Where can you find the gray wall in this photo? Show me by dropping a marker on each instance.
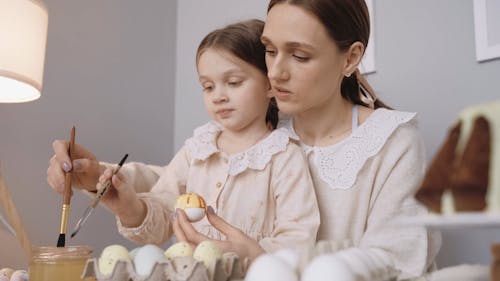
(110, 72)
(425, 61)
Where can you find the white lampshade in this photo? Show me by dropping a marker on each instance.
(23, 36)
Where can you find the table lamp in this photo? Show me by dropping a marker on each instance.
(23, 36)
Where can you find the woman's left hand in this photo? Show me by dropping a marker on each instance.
(236, 241)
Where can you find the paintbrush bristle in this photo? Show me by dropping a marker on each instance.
(61, 241)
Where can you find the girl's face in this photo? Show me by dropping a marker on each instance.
(236, 93)
(305, 67)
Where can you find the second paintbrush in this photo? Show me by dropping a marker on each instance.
(95, 201)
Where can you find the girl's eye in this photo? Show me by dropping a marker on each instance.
(234, 83)
(207, 88)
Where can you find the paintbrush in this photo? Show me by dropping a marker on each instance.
(95, 201)
(61, 241)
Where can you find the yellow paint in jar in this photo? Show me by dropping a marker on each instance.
(63, 263)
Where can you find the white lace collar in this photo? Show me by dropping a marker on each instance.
(203, 144)
(339, 164)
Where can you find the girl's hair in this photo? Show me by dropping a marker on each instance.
(347, 22)
(242, 39)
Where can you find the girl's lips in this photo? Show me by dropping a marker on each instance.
(224, 113)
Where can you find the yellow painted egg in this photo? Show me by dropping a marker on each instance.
(109, 256)
(208, 253)
(193, 205)
(179, 249)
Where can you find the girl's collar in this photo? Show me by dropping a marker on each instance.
(203, 144)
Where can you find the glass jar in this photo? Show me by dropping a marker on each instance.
(59, 263)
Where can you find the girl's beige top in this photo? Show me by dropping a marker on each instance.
(266, 191)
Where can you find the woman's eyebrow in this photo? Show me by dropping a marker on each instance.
(291, 45)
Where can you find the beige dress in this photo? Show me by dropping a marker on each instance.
(365, 184)
(265, 191)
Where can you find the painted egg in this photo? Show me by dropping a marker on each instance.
(19, 275)
(193, 205)
(179, 249)
(109, 256)
(208, 253)
(146, 257)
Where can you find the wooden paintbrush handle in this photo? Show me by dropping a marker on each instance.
(67, 179)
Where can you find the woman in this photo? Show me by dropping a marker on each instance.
(366, 161)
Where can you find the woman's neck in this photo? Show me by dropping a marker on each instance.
(231, 142)
(325, 125)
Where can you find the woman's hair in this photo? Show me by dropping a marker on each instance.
(347, 22)
(242, 39)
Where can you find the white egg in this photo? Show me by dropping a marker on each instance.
(194, 214)
(327, 267)
(19, 275)
(6, 272)
(133, 252)
(291, 257)
(145, 259)
(109, 256)
(270, 268)
(179, 249)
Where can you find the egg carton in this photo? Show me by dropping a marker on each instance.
(229, 268)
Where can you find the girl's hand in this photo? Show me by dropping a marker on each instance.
(86, 168)
(122, 199)
(236, 241)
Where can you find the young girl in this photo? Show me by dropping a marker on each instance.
(250, 175)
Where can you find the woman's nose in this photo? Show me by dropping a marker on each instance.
(277, 70)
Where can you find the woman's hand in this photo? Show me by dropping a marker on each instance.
(236, 241)
(86, 168)
(122, 199)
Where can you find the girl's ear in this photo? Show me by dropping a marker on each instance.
(353, 58)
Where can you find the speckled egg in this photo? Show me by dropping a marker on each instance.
(208, 253)
(109, 256)
(193, 205)
(179, 249)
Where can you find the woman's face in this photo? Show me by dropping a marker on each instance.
(305, 66)
(236, 93)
